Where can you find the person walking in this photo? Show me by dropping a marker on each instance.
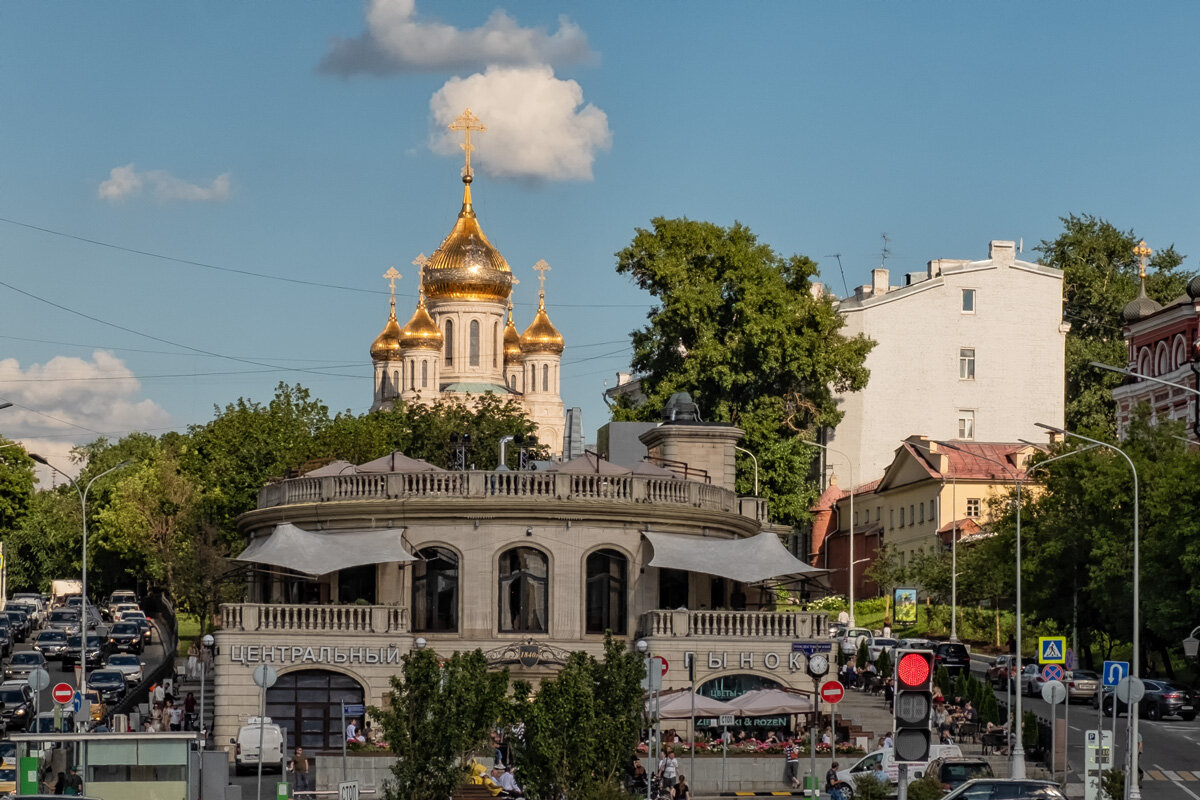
(668, 769)
(300, 768)
(682, 790)
(193, 661)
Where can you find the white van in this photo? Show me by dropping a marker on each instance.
(246, 756)
(886, 757)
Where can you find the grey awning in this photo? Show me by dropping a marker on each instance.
(321, 553)
(756, 558)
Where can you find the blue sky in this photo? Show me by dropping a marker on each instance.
(302, 141)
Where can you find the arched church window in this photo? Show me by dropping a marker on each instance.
(397, 376)
(412, 375)
(496, 344)
(424, 374)
(524, 595)
(545, 377)
(607, 583)
(448, 359)
(474, 344)
(532, 377)
(435, 590)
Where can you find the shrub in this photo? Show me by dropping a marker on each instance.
(925, 788)
(868, 787)
(1112, 783)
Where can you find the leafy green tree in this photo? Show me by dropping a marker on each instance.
(16, 484)
(581, 728)
(931, 571)
(45, 544)
(441, 712)
(1099, 277)
(738, 327)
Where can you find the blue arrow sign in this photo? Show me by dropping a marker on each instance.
(808, 648)
(77, 702)
(1115, 672)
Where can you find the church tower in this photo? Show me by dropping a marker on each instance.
(385, 355)
(421, 348)
(542, 347)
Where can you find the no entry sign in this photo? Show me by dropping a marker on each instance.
(832, 691)
(62, 693)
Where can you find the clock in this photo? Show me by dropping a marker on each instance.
(818, 664)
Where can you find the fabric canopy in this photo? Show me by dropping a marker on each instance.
(756, 558)
(678, 705)
(321, 553)
(768, 702)
(396, 461)
(332, 468)
(652, 469)
(590, 464)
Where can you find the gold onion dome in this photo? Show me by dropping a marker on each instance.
(512, 339)
(386, 346)
(421, 332)
(466, 266)
(541, 336)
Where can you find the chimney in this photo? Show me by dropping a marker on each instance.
(1002, 251)
(879, 281)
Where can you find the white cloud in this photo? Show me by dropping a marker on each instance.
(75, 401)
(125, 182)
(536, 127)
(397, 41)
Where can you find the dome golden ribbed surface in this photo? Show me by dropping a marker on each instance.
(386, 346)
(467, 266)
(512, 340)
(541, 336)
(421, 331)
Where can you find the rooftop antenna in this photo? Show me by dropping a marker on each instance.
(885, 251)
(845, 286)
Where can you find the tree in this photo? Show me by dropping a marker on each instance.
(441, 712)
(582, 726)
(1099, 277)
(16, 484)
(738, 327)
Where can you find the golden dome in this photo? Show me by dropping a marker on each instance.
(421, 332)
(386, 346)
(541, 336)
(512, 340)
(466, 266)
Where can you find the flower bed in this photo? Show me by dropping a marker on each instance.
(750, 748)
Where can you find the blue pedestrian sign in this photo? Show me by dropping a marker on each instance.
(1052, 649)
(1115, 672)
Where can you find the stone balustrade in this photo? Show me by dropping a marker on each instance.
(493, 485)
(314, 618)
(734, 624)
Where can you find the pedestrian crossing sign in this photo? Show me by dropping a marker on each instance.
(1052, 649)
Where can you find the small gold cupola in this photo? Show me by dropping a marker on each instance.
(512, 339)
(421, 332)
(541, 336)
(386, 346)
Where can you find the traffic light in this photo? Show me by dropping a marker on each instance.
(913, 704)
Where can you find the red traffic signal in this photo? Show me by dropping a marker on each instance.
(913, 705)
(914, 670)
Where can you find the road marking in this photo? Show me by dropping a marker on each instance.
(1171, 776)
(1189, 791)
(1187, 776)
(1155, 775)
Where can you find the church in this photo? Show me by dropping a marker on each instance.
(461, 341)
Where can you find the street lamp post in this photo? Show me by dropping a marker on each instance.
(850, 559)
(84, 618)
(1133, 791)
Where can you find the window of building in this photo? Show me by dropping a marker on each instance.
(435, 590)
(912, 515)
(545, 377)
(856, 519)
(532, 377)
(607, 586)
(496, 344)
(524, 595)
(922, 507)
(424, 374)
(672, 588)
(448, 359)
(307, 705)
(473, 344)
(966, 363)
(397, 378)
(968, 301)
(966, 424)
(974, 504)
(891, 517)
(878, 515)
(901, 516)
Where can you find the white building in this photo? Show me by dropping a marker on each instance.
(969, 350)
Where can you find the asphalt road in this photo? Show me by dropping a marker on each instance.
(1170, 756)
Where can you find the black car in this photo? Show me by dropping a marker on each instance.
(1006, 789)
(6, 642)
(110, 683)
(125, 637)
(953, 656)
(51, 644)
(18, 625)
(24, 663)
(146, 628)
(95, 651)
(953, 771)
(17, 710)
(1162, 699)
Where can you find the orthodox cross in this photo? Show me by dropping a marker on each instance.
(392, 276)
(542, 268)
(419, 262)
(1142, 252)
(466, 123)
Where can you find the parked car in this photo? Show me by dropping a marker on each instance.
(953, 772)
(247, 754)
(110, 683)
(1006, 789)
(51, 644)
(1029, 680)
(1082, 684)
(836, 629)
(125, 637)
(1162, 699)
(17, 709)
(884, 759)
(129, 664)
(23, 663)
(953, 656)
(916, 644)
(851, 637)
(877, 645)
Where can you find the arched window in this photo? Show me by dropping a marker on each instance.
(1179, 357)
(449, 358)
(473, 353)
(532, 377)
(524, 595)
(545, 377)
(412, 375)
(1144, 361)
(1162, 359)
(397, 375)
(435, 590)
(424, 373)
(607, 582)
(496, 344)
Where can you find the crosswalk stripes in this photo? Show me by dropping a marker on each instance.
(1171, 775)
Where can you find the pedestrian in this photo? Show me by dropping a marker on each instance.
(668, 768)
(682, 790)
(833, 784)
(299, 767)
(791, 764)
(508, 782)
(353, 734)
(193, 661)
(61, 784)
(74, 784)
(175, 716)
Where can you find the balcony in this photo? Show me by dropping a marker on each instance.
(313, 618)
(790, 625)
(524, 486)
